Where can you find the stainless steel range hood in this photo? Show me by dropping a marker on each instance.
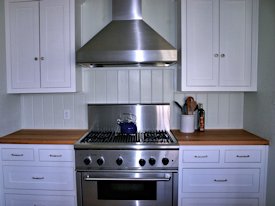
(127, 41)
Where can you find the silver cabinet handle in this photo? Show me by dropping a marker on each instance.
(222, 180)
(243, 156)
(38, 178)
(17, 155)
(216, 55)
(222, 55)
(201, 156)
(55, 155)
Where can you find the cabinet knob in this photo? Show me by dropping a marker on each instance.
(222, 55)
(35, 58)
(216, 55)
(41, 58)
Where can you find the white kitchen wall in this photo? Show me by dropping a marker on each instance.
(127, 85)
(113, 86)
(9, 104)
(259, 107)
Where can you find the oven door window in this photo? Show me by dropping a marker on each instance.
(127, 190)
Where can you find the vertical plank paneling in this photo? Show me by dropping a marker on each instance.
(81, 110)
(112, 86)
(100, 86)
(58, 111)
(68, 102)
(168, 86)
(145, 86)
(38, 114)
(223, 109)
(123, 86)
(157, 86)
(27, 119)
(48, 111)
(134, 86)
(211, 119)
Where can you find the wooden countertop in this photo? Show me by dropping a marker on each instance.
(37, 136)
(219, 137)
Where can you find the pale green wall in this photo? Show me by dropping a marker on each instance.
(259, 107)
(9, 104)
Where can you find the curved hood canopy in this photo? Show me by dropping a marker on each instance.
(127, 41)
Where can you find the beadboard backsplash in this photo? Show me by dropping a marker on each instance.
(146, 85)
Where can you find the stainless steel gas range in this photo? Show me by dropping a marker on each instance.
(136, 167)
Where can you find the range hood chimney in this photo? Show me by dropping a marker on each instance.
(127, 41)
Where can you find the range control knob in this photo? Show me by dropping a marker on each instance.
(152, 161)
(142, 162)
(100, 161)
(119, 161)
(87, 160)
(165, 161)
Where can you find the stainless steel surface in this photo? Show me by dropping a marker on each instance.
(130, 159)
(127, 41)
(162, 193)
(129, 177)
(148, 116)
(127, 169)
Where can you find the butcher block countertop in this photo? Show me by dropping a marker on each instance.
(219, 137)
(37, 136)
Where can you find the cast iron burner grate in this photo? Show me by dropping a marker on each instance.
(148, 137)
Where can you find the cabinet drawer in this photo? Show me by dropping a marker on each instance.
(242, 156)
(218, 202)
(17, 154)
(220, 180)
(27, 200)
(39, 178)
(201, 156)
(65, 155)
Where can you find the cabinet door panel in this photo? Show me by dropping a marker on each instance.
(24, 44)
(55, 43)
(218, 202)
(38, 178)
(235, 42)
(220, 180)
(202, 42)
(38, 200)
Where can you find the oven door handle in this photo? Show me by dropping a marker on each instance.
(167, 177)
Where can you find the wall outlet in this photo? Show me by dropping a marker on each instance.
(67, 114)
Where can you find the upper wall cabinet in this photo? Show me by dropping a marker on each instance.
(40, 46)
(219, 40)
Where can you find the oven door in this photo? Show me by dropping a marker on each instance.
(127, 189)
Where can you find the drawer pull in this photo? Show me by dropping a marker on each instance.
(17, 155)
(201, 156)
(243, 156)
(38, 178)
(224, 180)
(53, 155)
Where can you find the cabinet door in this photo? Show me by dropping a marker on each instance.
(202, 43)
(219, 202)
(39, 178)
(23, 45)
(235, 42)
(55, 43)
(38, 200)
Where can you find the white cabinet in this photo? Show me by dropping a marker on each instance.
(222, 175)
(38, 175)
(40, 46)
(219, 45)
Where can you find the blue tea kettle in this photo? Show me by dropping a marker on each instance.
(127, 123)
